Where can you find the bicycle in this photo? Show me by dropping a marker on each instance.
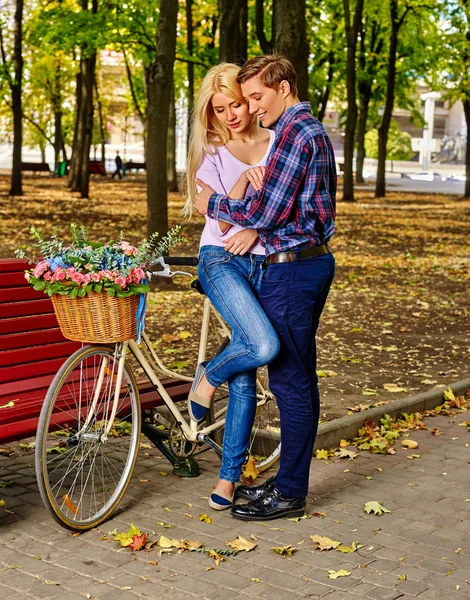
(89, 429)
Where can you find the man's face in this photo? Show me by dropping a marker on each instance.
(264, 102)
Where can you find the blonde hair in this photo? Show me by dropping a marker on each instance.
(206, 130)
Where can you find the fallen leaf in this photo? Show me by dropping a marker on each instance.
(255, 579)
(249, 470)
(335, 574)
(344, 453)
(326, 373)
(165, 525)
(240, 544)
(321, 454)
(284, 550)
(352, 548)
(46, 581)
(205, 518)
(402, 577)
(10, 404)
(320, 515)
(138, 542)
(323, 543)
(126, 539)
(394, 388)
(409, 444)
(375, 507)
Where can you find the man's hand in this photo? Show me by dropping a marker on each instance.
(241, 242)
(201, 202)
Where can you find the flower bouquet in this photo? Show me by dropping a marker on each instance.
(98, 290)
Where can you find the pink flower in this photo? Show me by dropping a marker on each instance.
(27, 276)
(115, 273)
(96, 277)
(120, 281)
(47, 276)
(59, 275)
(106, 274)
(70, 270)
(129, 279)
(40, 268)
(77, 278)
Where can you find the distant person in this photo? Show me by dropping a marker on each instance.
(118, 161)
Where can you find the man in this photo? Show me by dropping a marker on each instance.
(293, 212)
(118, 161)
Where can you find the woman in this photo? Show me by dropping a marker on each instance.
(228, 150)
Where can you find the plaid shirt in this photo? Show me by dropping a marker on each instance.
(295, 207)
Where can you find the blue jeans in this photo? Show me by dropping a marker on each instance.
(293, 296)
(232, 284)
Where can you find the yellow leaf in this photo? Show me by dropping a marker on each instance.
(343, 443)
(164, 473)
(449, 395)
(249, 470)
(409, 444)
(10, 404)
(205, 518)
(324, 543)
(402, 577)
(185, 334)
(2, 502)
(284, 550)
(376, 508)
(255, 579)
(394, 388)
(321, 454)
(352, 548)
(241, 544)
(165, 542)
(320, 515)
(341, 573)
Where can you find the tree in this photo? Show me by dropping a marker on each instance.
(455, 66)
(15, 82)
(233, 43)
(398, 144)
(352, 30)
(290, 38)
(160, 86)
(267, 45)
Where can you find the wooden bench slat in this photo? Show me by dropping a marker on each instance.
(25, 324)
(17, 294)
(34, 338)
(12, 279)
(28, 370)
(28, 308)
(43, 352)
(8, 265)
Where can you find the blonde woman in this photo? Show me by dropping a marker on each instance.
(228, 151)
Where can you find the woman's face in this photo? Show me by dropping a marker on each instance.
(230, 113)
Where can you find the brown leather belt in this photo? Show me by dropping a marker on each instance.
(284, 257)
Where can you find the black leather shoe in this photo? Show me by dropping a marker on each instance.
(253, 492)
(271, 505)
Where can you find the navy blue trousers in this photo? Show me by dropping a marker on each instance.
(293, 296)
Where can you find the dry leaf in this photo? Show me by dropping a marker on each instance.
(284, 550)
(335, 574)
(375, 507)
(411, 444)
(138, 542)
(205, 518)
(320, 515)
(241, 544)
(321, 454)
(394, 388)
(324, 543)
(249, 470)
(352, 548)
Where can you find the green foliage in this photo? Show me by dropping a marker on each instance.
(398, 144)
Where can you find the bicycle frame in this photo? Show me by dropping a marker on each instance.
(191, 431)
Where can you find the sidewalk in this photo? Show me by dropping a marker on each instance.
(425, 537)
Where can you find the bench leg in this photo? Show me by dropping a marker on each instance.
(187, 467)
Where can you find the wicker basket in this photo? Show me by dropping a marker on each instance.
(96, 318)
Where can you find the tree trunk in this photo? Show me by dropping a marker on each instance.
(190, 49)
(171, 151)
(81, 175)
(230, 12)
(57, 106)
(361, 133)
(390, 98)
(266, 45)
(326, 94)
(466, 108)
(352, 30)
(16, 188)
(291, 38)
(241, 44)
(160, 86)
(101, 125)
(78, 105)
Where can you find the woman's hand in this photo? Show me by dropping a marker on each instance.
(241, 242)
(255, 176)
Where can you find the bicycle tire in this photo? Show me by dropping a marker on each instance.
(86, 451)
(265, 442)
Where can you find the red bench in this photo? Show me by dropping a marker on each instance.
(32, 349)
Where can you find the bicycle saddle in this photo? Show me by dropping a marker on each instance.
(196, 285)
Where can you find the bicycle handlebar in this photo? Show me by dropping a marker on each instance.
(189, 261)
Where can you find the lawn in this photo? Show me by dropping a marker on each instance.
(397, 319)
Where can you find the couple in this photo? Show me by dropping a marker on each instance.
(269, 200)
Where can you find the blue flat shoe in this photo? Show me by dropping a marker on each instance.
(219, 500)
(197, 405)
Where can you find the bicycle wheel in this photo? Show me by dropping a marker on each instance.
(85, 452)
(265, 437)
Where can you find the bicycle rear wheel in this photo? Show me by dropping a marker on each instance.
(85, 452)
(265, 437)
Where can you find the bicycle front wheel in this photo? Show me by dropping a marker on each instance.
(88, 438)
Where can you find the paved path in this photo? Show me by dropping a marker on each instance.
(426, 537)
